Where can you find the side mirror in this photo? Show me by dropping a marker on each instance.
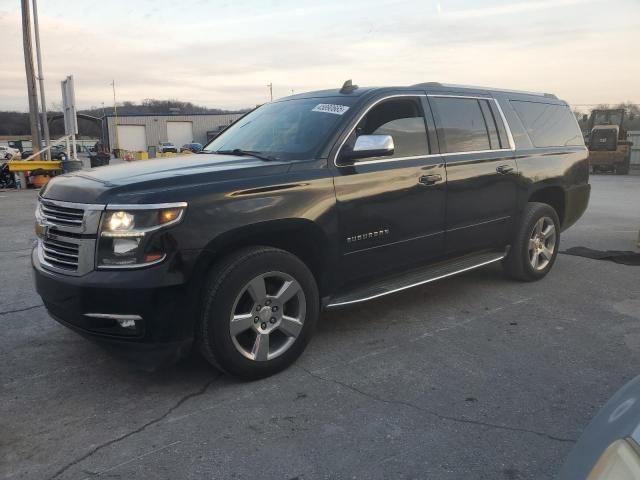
(371, 146)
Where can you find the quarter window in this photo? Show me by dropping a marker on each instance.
(548, 125)
(490, 121)
(403, 119)
(466, 125)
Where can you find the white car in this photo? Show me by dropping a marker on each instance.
(167, 147)
(7, 153)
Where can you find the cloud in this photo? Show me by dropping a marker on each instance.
(509, 8)
(225, 57)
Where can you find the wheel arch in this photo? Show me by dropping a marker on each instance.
(301, 237)
(552, 195)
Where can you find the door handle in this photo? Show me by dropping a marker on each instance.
(430, 179)
(504, 169)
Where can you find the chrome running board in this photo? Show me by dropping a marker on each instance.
(414, 278)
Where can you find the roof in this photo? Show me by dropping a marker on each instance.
(432, 86)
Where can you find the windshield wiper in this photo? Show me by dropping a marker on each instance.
(250, 153)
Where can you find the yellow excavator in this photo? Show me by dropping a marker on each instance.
(609, 149)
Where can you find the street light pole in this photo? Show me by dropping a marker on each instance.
(31, 81)
(115, 114)
(45, 123)
(270, 91)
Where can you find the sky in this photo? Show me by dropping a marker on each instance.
(223, 53)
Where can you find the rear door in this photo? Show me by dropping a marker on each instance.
(481, 171)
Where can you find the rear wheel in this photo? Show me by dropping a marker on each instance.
(535, 245)
(260, 309)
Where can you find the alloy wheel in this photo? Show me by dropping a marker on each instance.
(267, 316)
(542, 243)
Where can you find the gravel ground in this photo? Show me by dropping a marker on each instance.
(471, 377)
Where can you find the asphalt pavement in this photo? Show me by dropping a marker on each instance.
(473, 377)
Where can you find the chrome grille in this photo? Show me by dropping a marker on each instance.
(68, 234)
(58, 215)
(60, 254)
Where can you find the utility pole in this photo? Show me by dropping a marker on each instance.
(45, 123)
(31, 81)
(115, 115)
(102, 120)
(270, 86)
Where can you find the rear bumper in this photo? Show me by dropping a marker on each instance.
(159, 321)
(576, 202)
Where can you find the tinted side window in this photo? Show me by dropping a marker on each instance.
(402, 118)
(548, 125)
(490, 121)
(461, 126)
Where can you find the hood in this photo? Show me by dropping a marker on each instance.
(156, 175)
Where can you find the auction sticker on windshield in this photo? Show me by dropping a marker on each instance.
(330, 108)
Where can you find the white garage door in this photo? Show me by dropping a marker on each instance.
(179, 133)
(635, 148)
(132, 138)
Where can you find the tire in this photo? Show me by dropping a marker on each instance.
(246, 286)
(544, 243)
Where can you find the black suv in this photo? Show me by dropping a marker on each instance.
(314, 201)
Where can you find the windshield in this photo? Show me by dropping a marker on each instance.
(287, 130)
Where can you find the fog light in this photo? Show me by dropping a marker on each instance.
(126, 322)
(115, 323)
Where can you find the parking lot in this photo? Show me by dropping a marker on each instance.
(475, 377)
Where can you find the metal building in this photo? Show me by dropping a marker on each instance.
(634, 137)
(135, 132)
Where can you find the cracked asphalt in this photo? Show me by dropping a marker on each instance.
(471, 377)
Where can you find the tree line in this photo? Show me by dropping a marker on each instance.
(631, 115)
(17, 123)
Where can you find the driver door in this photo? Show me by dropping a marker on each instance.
(391, 209)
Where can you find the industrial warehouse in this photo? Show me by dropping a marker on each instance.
(142, 133)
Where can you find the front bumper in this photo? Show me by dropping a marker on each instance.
(154, 297)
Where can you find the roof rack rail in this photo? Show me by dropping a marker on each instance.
(428, 84)
(491, 89)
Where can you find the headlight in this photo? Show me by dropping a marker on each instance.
(620, 461)
(125, 231)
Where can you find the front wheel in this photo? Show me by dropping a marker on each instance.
(260, 309)
(535, 245)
